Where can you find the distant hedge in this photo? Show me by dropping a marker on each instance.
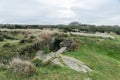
(67, 28)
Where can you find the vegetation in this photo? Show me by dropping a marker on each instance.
(21, 66)
(100, 54)
(73, 26)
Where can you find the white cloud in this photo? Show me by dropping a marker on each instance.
(89, 4)
(63, 8)
(63, 14)
(59, 11)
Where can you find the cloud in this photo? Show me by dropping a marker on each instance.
(60, 11)
(88, 4)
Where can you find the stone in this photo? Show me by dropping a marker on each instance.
(72, 63)
(66, 43)
(70, 44)
(40, 53)
(55, 44)
(58, 59)
(52, 55)
(61, 50)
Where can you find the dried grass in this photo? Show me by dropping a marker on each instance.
(22, 66)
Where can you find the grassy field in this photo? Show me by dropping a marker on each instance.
(101, 55)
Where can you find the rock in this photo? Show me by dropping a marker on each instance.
(52, 44)
(40, 53)
(66, 43)
(72, 63)
(60, 51)
(39, 56)
(52, 55)
(70, 44)
(55, 44)
(58, 59)
(48, 58)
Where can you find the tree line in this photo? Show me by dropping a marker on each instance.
(68, 28)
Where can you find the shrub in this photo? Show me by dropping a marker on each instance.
(37, 61)
(22, 66)
(6, 45)
(3, 67)
(32, 37)
(9, 45)
(28, 51)
(74, 46)
(46, 36)
(6, 36)
(1, 38)
(25, 40)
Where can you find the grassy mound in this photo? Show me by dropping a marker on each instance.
(101, 55)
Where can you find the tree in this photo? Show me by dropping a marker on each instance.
(74, 24)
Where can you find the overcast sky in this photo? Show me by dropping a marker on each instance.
(60, 11)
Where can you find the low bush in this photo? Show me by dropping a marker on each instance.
(46, 35)
(1, 38)
(6, 36)
(6, 45)
(32, 37)
(74, 46)
(37, 61)
(3, 67)
(25, 41)
(22, 66)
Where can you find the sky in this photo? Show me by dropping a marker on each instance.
(98, 12)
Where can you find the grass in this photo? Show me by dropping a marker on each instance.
(8, 41)
(46, 73)
(101, 55)
(103, 66)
